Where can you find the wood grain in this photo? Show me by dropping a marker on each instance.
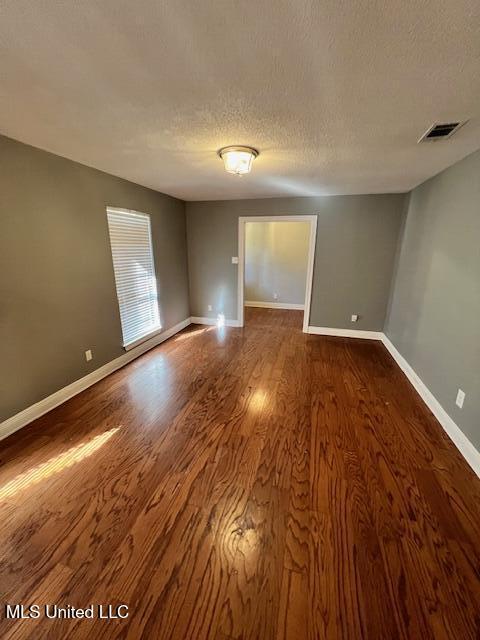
(236, 484)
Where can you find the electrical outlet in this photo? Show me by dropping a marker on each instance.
(88, 355)
(275, 296)
(234, 260)
(209, 307)
(460, 398)
(354, 317)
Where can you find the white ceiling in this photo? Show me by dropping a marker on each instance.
(333, 93)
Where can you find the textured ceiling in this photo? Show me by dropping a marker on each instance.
(333, 93)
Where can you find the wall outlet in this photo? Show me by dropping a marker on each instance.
(275, 296)
(234, 260)
(354, 317)
(88, 355)
(209, 307)
(460, 398)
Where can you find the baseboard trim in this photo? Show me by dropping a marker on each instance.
(460, 440)
(274, 305)
(19, 420)
(345, 333)
(463, 444)
(213, 321)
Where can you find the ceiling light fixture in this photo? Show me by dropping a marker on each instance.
(238, 160)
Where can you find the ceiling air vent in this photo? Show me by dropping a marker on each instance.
(440, 131)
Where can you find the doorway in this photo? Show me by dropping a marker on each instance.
(273, 272)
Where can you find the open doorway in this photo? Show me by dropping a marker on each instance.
(276, 257)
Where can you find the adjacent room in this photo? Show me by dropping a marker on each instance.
(277, 262)
(276, 256)
(239, 317)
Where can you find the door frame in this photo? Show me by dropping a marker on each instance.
(312, 219)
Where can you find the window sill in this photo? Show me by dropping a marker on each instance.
(148, 336)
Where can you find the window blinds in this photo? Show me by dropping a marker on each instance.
(131, 243)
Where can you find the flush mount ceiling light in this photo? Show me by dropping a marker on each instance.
(238, 160)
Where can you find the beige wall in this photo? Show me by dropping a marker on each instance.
(57, 287)
(276, 256)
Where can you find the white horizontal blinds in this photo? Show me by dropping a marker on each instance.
(131, 243)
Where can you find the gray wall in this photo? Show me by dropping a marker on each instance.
(434, 316)
(354, 258)
(57, 287)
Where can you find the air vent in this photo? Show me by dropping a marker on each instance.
(440, 131)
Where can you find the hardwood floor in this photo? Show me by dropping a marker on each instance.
(251, 483)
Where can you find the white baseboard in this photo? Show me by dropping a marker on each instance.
(213, 321)
(274, 305)
(19, 420)
(346, 333)
(463, 444)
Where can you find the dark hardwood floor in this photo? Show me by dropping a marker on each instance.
(240, 484)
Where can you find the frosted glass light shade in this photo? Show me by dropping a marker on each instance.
(238, 160)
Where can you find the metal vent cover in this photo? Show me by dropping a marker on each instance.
(441, 131)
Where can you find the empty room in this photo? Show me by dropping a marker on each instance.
(239, 318)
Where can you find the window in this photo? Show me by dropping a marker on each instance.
(131, 243)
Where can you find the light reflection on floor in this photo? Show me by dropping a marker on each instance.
(184, 336)
(55, 465)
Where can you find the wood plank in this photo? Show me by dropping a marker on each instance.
(234, 484)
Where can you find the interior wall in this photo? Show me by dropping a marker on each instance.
(276, 257)
(354, 257)
(433, 319)
(57, 286)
